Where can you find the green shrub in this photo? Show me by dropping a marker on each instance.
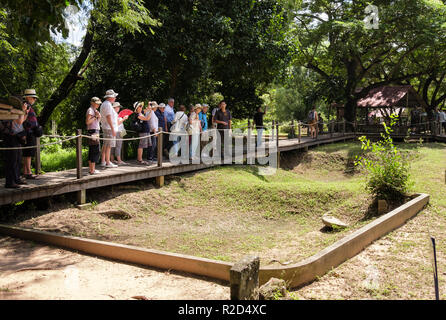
(388, 170)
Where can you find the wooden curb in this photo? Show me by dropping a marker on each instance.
(295, 275)
(303, 272)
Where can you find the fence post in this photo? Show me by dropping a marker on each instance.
(277, 134)
(38, 163)
(293, 132)
(343, 127)
(299, 131)
(248, 139)
(331, 128)
(81, 195)
(159, 146)
(79, 154)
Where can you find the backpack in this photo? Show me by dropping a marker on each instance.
(311, 115)
(135, 123)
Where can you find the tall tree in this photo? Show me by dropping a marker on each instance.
(334, 41)
(33, 22)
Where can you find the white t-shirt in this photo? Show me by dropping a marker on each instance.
(107, 110)
(153, 122)
(180, 122)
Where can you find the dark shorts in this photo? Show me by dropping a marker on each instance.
(93, 153)
(30, 141)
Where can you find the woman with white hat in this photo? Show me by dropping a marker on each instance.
(92, 121)
(195, 124)
(30, 125)
(144, 117)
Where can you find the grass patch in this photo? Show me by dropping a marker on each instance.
(227, 212)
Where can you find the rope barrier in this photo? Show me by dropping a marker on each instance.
(182, 133)
(43, 145)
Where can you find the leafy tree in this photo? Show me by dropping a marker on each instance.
(333, 41)
(234, 48)
(28, 29)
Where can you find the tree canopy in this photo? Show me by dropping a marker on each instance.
(301, 52)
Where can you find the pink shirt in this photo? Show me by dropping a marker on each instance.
(95, 124)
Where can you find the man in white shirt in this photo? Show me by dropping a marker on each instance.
(109, 124)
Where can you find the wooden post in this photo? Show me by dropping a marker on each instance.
(81, 195)
(277, 135)
(38, 163)
(122, 150)
(299, 131)
(248, 139)
(160, 147)
(244, 279)
(293, 132)
(343, 127)
(159, 181)
(331, 128)
(79, 154)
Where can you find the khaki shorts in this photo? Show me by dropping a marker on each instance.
(146, 142)
(109, 143)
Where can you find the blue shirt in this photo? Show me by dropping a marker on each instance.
(204, 120)
(160, 116)
(170, 114)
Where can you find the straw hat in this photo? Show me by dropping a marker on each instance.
(30, 93)
(138, 104)
(197, 106)
(96, 100)
(161, 105)
(116, 104)
(110, 94)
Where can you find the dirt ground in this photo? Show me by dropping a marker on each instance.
(397, 266)
(34, 271)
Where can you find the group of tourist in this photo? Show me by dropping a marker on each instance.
(20, 136)
(147, 120)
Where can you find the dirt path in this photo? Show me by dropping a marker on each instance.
(34, 271)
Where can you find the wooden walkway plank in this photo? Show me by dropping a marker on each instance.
(56, 183)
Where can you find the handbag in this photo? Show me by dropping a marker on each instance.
(38, 131)
(21, 137)
(94, 140)
(123, 133)
(174, 128)
(188, 128)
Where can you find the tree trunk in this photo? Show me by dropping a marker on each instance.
(69, 82)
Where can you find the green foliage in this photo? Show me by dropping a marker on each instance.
(293, 97)
(332, 40)
(388, 170)
(59, 157)
(201, 52)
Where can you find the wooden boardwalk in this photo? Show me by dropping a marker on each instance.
(57, 183)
